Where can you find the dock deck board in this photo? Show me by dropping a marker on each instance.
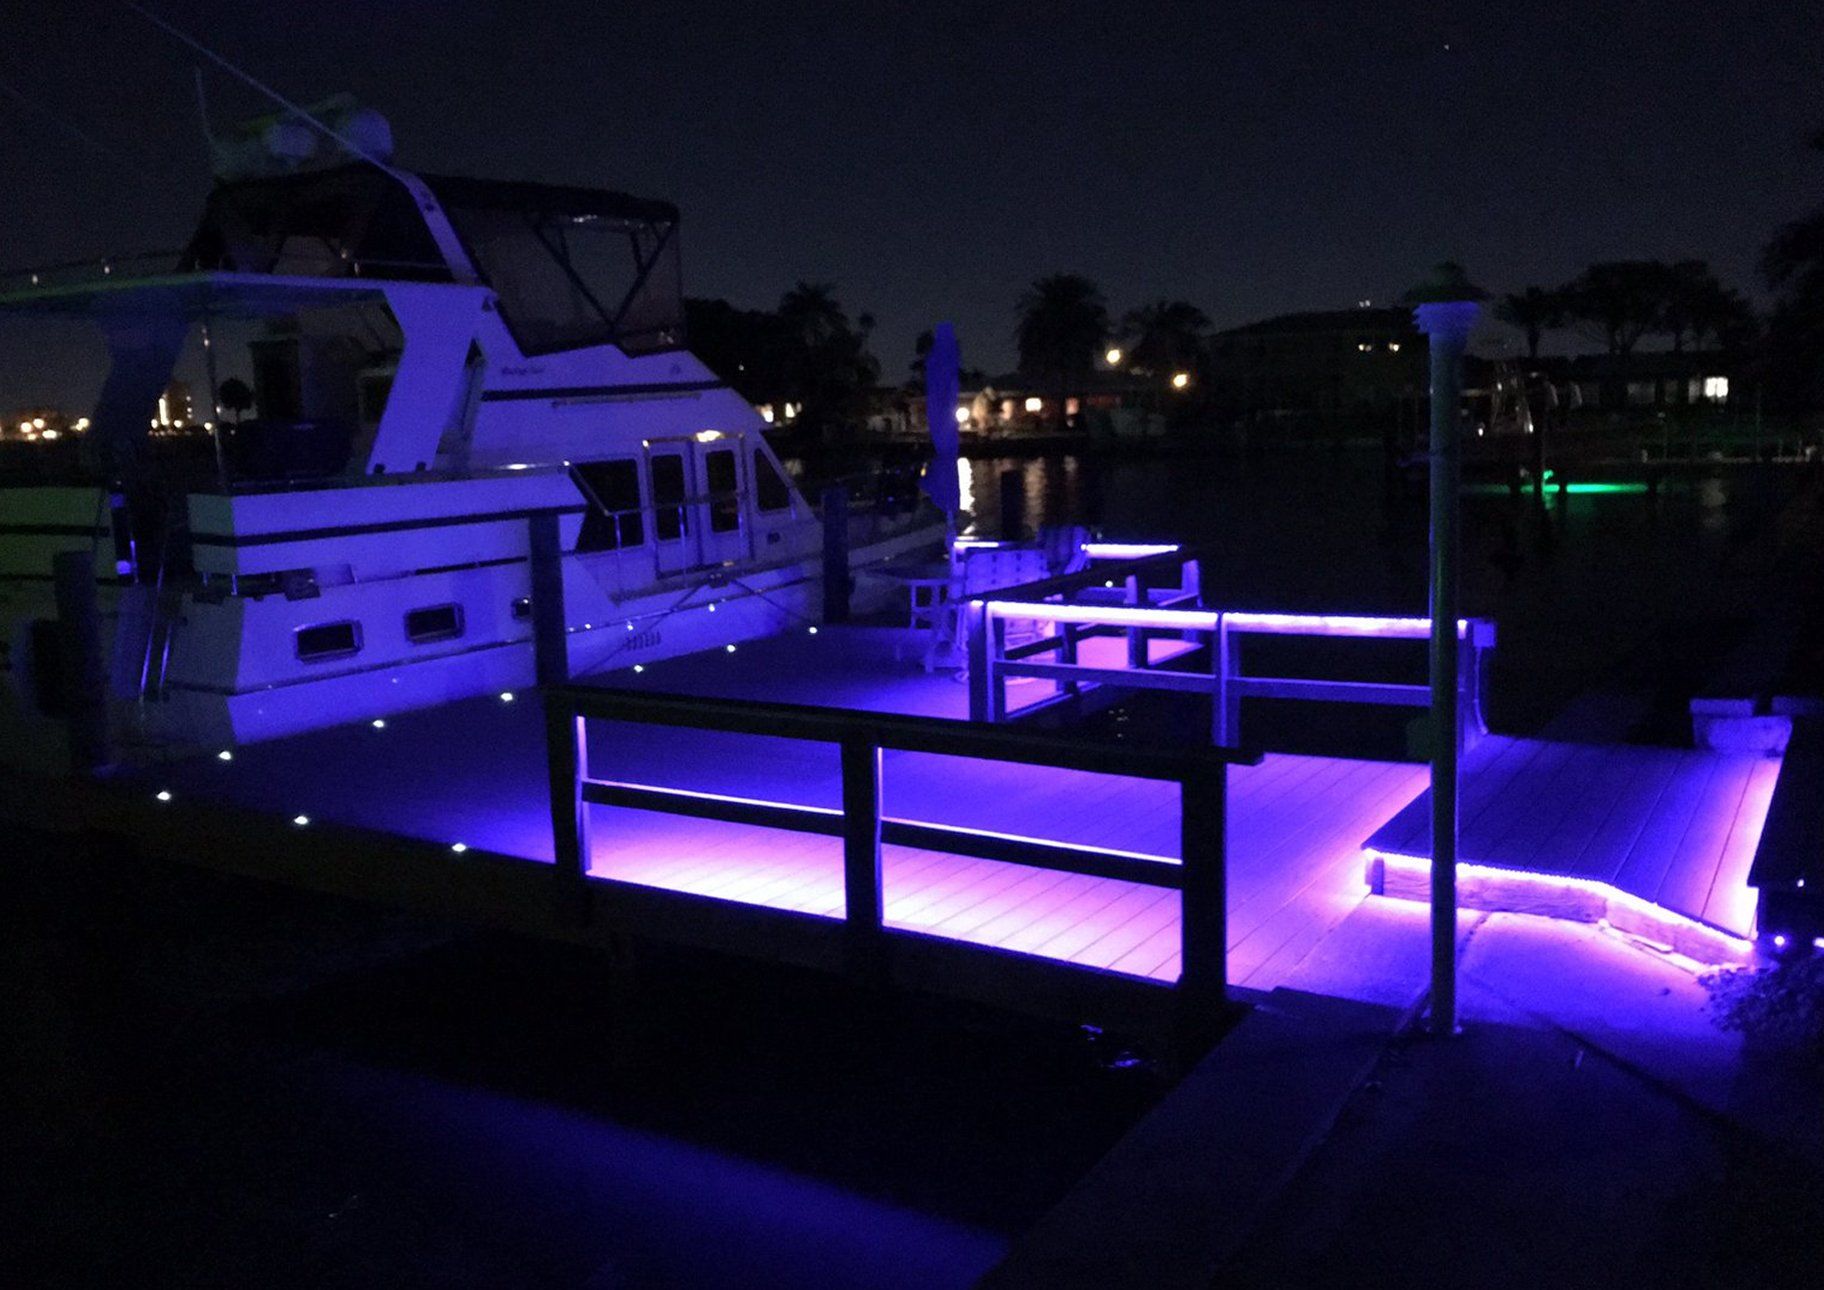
(1675, 827)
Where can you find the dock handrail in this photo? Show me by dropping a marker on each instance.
(862, 824)
(993, 660)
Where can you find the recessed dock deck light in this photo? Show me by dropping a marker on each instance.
(729, 648)
(506, 696)
(378, 723)
(225, 754)
(812, 630)
(639, 667)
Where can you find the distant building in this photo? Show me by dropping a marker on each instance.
(1319, 373)
(1649, 381)
(1102, 404)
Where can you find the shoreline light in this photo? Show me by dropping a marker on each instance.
(459, 847)
(163, 795)
(225, 754)
(506, 696)
(378, 723)
(300, 820)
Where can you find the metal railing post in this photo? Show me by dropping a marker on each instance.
(863, 907)
(1136, 639)
(997, 679)
(550, 648)
(975, 636)
(566, 736)
(1203, 979)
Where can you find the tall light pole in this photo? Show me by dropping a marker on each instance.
(1445, 308)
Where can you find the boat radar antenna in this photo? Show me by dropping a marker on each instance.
(302, 113)
(461, 266)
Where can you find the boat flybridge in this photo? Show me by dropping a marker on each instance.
(429, 359)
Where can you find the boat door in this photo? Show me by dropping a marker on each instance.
(699, 501)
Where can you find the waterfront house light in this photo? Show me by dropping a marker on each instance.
(163, 795)
(378, 723)
(225, 755)
(1114, 356)
(300, 820)
(1035, 404)
(639, 667)
(506, 696)
(729, 648)
(1180, 380)
(962, 416)
(459, 847)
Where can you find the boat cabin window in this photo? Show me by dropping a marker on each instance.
(613, 519)
(325, 641)
(668, 518)
(771, 491)
(434, 623)
(724, 490)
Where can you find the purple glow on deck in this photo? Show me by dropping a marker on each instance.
(1552, 888)
(1127, 550)
(1205, 620)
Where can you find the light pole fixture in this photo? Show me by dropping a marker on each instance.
(1445, 308)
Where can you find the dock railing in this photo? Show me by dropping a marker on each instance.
(1142, 615)
(864, 828)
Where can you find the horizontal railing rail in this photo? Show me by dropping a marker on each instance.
(862, 824)
(993, 660)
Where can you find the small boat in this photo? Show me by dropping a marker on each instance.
(431, 360)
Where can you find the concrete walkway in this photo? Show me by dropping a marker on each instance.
(1591, 1126)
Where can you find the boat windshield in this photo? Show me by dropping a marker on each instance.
(572, 267)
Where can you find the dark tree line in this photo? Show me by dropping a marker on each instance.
(806, 352)
(1618, 303)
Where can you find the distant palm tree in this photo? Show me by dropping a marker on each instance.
(811, 311)
(1063, 321)
(1794, 260)
(1618, 302)
(1793, 264)
(1533, 312)
(1164, 336)
(236, 396)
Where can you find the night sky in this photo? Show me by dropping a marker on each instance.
(931, 159)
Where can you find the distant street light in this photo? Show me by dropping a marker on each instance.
(1113, 357)
(1181, 380)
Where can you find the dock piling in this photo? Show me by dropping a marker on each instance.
(83, 672)
(835, 554)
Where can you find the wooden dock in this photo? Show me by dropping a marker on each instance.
(1676, 828)
(463, 789)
